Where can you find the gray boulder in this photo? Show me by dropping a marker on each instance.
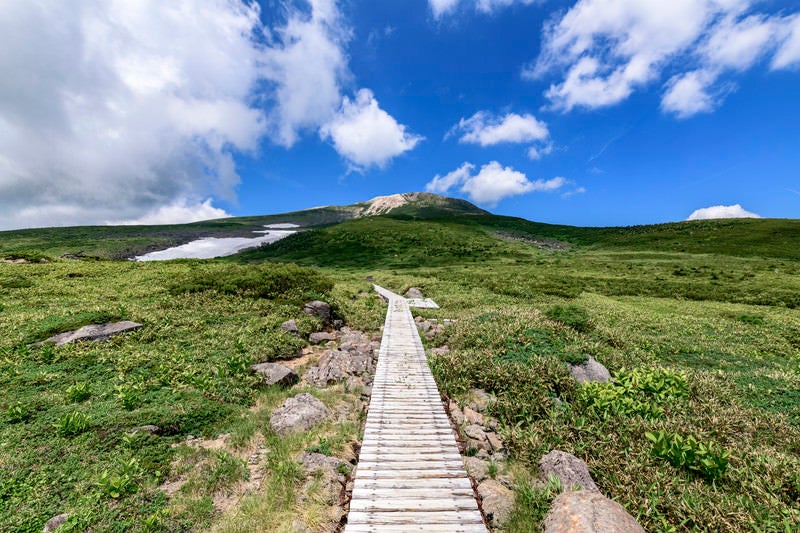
(584, 511)
(414, 292)
(591, 370)
(476, 438)
(275, 374)
(335, 366)
(150, 429)
(321, 336)
(93, 332)
(477, 468)
(290, 326)
(571, 471)
(321, 310)
(497, 502)
(55, 522)
(299, 413)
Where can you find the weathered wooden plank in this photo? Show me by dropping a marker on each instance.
(410, 476)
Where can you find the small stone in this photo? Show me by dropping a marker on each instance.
(319, 309)
(497, 502)
(473, 417)
(591, 370)
(455, 413)
(441, 350)
(301, 412)
(148, 428)
(495, 442)
(275, 374)
(477, 437)
(321, 336)
(414, 293)
(477, 468)
(481, 400)
(366, 392)
(338, 324)
(571, 471)
(290, 326)
(585, 511)
(424, 325)
(55, 522)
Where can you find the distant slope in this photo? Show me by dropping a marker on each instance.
(416, 229)
(431, 238)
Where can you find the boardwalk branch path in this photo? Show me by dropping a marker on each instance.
(410, 476)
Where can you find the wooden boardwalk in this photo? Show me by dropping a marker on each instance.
(410, 476)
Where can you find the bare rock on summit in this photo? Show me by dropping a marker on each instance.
(299, 413)
(591, 370)
(571, 471)
(93, 332)
(585, 511)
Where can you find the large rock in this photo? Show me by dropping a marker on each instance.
(321, 310)
(321, 336)
(93, 332)
(275, 374)
(54, 523)
(476, 437)
(298, 414)
(584, 511)
(570, 471)
(497, 502)
(415, 293)
(355, 356)
(591, 370)
(477, 468)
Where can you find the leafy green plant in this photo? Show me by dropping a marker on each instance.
(637, 392)
(78, 392)
(323, 447)
(572, 316)
(707, 459)
(121, 480)
(129, 395)
(71, 424)
(17, 413)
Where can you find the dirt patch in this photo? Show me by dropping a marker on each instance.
(383, 204)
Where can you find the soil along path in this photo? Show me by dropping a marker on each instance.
(409, 476)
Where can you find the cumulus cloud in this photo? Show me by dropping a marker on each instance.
(607, 49)
(721, 211)
(445, 7)
(179, 212)
(486, 129)
(491, 184)
(365, 134)
(307, 64)
(110, 108)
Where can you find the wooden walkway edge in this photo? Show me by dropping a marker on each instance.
(410, 476)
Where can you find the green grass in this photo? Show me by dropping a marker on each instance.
(697, 322)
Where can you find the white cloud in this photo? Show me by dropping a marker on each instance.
(537, 152)
(722, 211)
(307, 63)
(492, 183)
(686, 95)
(607, 49)
(109, 108)
(179, 212)
(486, 129)
(441, 7)
(444, 7)
(365, 134)
(442, 184)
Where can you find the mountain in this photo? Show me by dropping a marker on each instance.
(415, 229)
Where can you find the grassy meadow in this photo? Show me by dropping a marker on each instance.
(697, 322)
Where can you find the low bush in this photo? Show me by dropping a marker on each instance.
(706, 459)
(572, 316)
(287, 282)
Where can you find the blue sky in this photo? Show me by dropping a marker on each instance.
(588, 112)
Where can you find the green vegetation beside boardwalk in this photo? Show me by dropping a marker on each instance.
(697, 322)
